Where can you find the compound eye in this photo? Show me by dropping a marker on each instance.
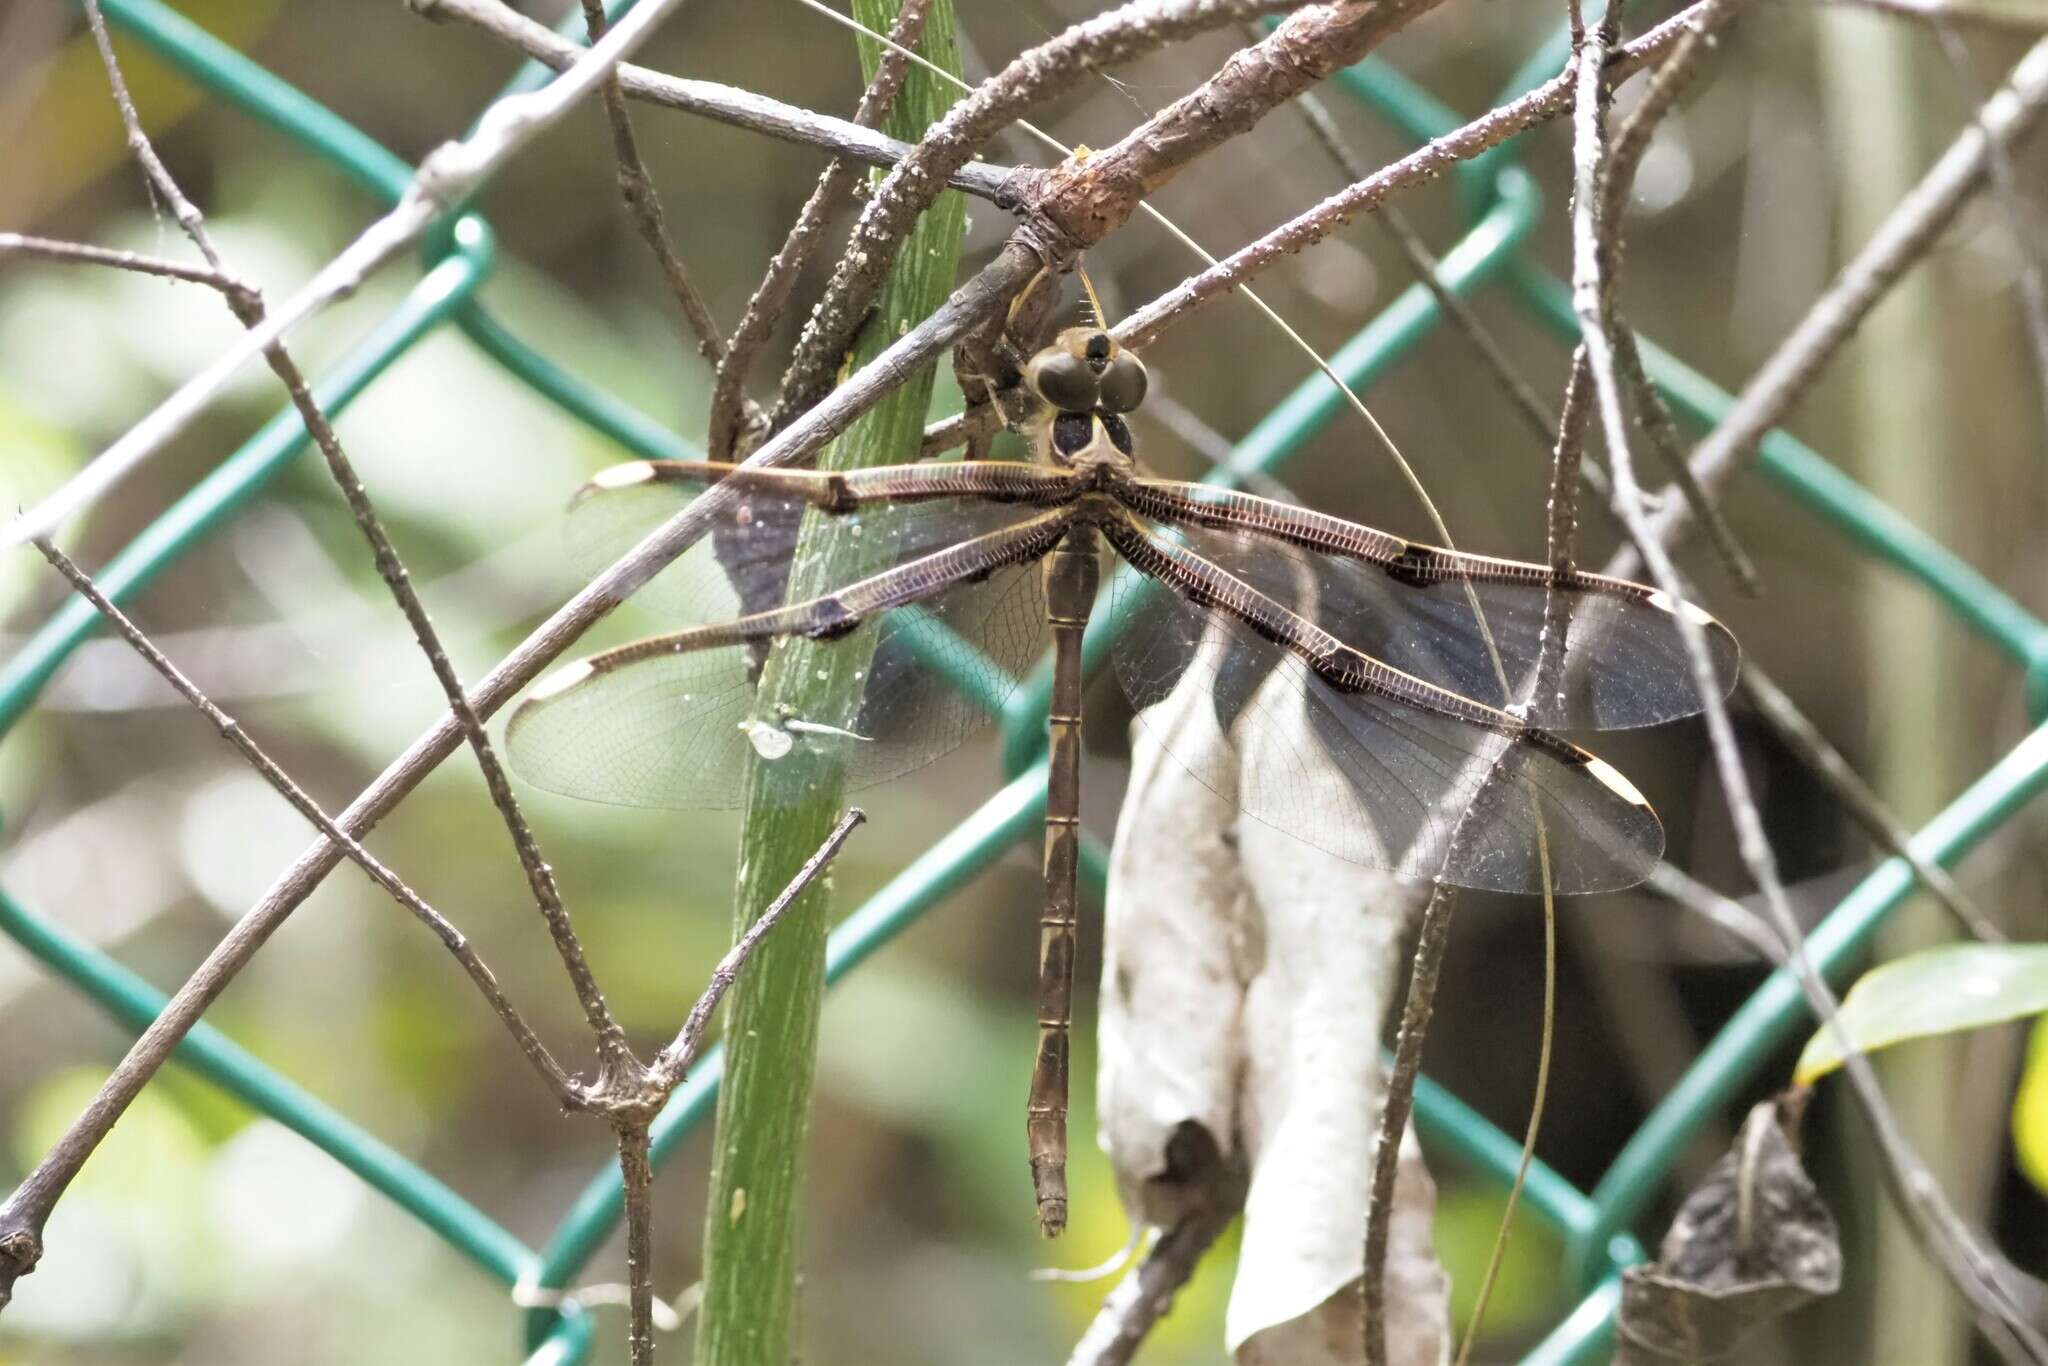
(1063, 380)
(1123, 384)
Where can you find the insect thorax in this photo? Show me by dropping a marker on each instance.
(1092, 438)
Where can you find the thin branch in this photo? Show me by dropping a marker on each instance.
(1913, 228)
(1561, 514)
(1591, 87)
(1631, 140)
(1536, 1105)
(27, 1208)
(81, 253)
(1144, 1296)
(1653, 415)
(231, 730)
(673, 1062)
(1942, 1234)
(1860, 800)
(1418, 167)
(2005, 189)
(636, 1175)
(447, 178)
(1725, 913)
(1424, 164)
(643, 203)
(139, 146)
(540, 879)
(834, 188)
(1035, 75)
(248, 308)
(634, 1095)
(1417, 1007)
(1423, 264)
(723, 103)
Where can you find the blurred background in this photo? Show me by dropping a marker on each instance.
(200, 1234)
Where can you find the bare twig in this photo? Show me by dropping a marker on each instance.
(231, 730)
(634, 1096)
(81, 253)
(540, 879)
(1907, 235)
(1631, 140)
(139, 146)
(643, 203)
(1423, 264)
(1654, 417)
(834, 187)
(1417, 1007)
(1144, 1295)
(1035, 75)
(248, 308)
(1417, 168)
(2005, 188)
(722, 103)
(24, 1212)
(1725, 913)
(1942, 1233)
(1419, 1002)
(673, 1062)
(1424, 164)
(448, 176)
(1561, 520)
(1591, 87)
(1536, 1104)
(1857, 797)
(27, 1209)
(636, 1177)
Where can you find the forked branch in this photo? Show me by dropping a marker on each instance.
(1941, 1232)
(643, 204)
(448, 177)
(565, 1089)
(835, 186)
(1904, 238)
(1037, 75)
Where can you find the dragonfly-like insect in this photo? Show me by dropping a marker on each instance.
(1378, 649)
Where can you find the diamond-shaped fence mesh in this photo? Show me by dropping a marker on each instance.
(1504, 208)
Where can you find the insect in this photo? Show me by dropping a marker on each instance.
(1306, 631)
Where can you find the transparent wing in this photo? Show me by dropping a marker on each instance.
(1375, 779)
(743, 565)
(1408, 605)
(675, 721)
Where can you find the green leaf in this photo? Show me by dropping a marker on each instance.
(1942, 991)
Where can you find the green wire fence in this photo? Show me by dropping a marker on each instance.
(1504, 206)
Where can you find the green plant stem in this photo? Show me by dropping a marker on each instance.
(752, 1213)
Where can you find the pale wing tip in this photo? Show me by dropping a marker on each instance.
(1716, 633)
(1611, 778)
(623, 476)
(561, 680)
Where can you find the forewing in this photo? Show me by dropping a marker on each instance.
(743, 564)
(647, 725)
(1625, 663)
(1407, 773)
